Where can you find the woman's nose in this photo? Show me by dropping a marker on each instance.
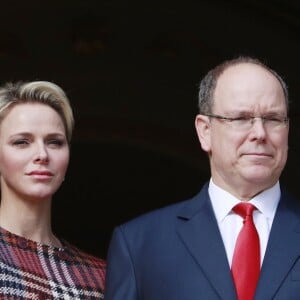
(41, 154)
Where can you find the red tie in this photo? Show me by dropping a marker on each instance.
(246, 257)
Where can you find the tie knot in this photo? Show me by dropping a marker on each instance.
(244, 209)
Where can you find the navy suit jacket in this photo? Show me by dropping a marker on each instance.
(177, 253)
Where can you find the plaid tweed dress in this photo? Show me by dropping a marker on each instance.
(29, 270)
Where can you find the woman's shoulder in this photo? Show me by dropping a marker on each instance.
(92, 266)
(83, 256)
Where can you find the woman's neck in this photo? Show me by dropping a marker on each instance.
(31, 220)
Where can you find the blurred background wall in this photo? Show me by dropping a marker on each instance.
(131, 70)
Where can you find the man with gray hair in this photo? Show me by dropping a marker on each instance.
(239, 238)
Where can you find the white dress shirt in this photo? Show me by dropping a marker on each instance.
(230, 223)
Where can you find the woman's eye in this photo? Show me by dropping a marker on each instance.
(56, 142)
(20, 142)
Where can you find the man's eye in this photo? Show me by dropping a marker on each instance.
(241, 119)
(273, 119)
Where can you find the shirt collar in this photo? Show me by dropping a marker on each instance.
(223, 202)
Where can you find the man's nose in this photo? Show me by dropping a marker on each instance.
(258, 128)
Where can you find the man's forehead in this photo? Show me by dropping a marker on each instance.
(244, 69)
(246, 76)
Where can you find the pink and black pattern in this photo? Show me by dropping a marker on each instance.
(29, 270)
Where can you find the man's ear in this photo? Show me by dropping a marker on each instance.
(203, 129)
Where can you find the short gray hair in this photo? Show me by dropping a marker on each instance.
(209, 82)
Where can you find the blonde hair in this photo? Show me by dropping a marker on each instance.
(43, 92)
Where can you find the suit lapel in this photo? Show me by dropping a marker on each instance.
(282, 251)
(201, 236)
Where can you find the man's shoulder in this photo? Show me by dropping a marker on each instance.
(290, 200)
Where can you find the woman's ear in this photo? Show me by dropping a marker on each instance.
(203, 129)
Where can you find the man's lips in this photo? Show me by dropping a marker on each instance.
(257, 154)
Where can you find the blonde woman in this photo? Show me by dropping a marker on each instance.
(36, 123)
